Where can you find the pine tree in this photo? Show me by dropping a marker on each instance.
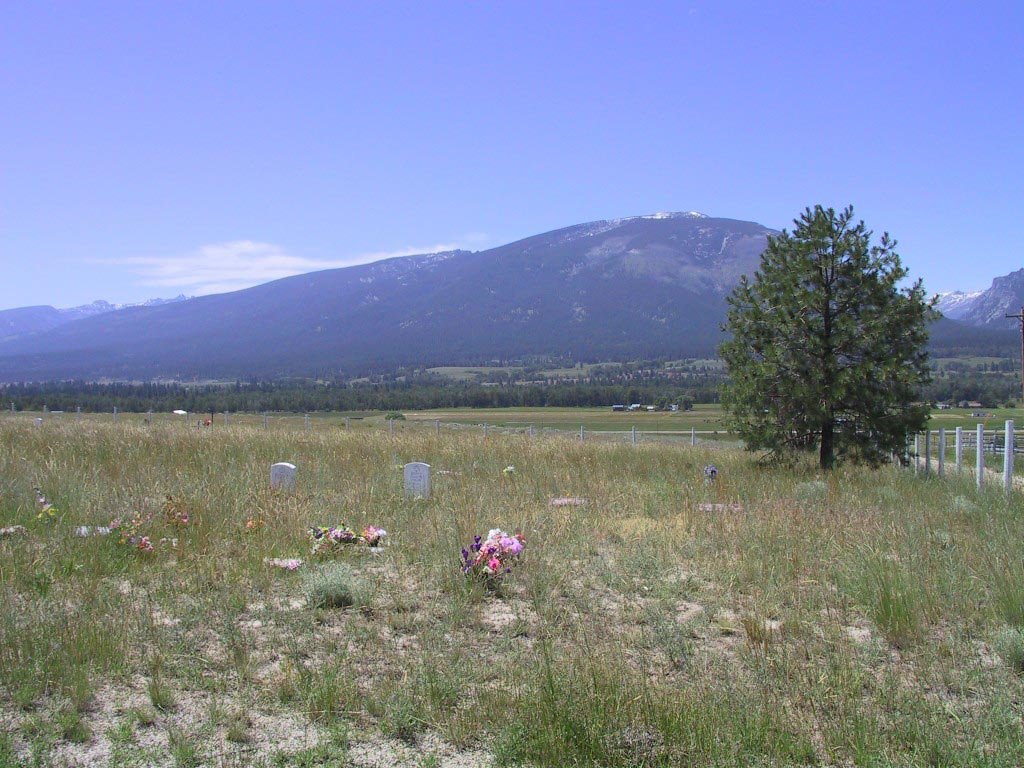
(826, 349)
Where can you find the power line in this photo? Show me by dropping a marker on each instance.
(1021, 318)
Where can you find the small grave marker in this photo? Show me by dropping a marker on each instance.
(39, 422)
(282, 476)
(710, 473)
(417, 480)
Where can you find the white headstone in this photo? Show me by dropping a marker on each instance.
(39, 422)
(282, 476)
(417, 480)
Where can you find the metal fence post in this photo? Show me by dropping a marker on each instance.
(1008, 448)
(979, 459)
(942, 452)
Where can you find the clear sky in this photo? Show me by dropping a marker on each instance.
(149, 149)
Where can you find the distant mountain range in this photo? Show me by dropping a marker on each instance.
(29, 320)
(988, 308)
(640, 287)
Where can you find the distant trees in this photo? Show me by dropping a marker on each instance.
(826, 351)
(299, 397)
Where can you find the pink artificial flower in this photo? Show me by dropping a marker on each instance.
(494, 565)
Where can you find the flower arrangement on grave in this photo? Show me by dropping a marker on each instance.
(373, 536)
(44, 509)
(333, 539)
(175, 511)
(130, 532)
(492, 557)
(710, 473)
(254, 523)
(285, 563)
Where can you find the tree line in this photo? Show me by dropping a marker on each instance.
(305, 397)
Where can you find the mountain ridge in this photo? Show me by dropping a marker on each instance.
(649, 286)
(617, 288)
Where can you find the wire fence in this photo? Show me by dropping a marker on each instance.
(934, 452)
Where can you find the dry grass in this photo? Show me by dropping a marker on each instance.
(858, 620)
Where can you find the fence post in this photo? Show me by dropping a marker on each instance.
(693, 436)
(633, 435)
(917, 453)
(348, 422)
(115, 413)
(979, 459)
(1008, 456)
(305, 419)
(942, 451)
(582, 434)
(265, 420)
(531, 430)
(437, 426)
(927, 452)
(485, 430)
(959, 449)
(78, 412)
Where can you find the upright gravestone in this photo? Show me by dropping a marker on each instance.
(282, 476)
(39, 422)
(417, 480)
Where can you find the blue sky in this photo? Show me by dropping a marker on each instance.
(151, 149)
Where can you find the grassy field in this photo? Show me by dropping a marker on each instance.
(702, 418)
(772, 618)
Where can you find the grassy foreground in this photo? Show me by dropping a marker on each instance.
(771, 618)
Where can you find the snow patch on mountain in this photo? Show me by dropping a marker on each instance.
(100, 307)
(956, 304)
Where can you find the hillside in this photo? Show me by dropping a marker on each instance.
(645, 286)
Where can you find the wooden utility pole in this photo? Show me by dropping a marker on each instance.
(1021, 318)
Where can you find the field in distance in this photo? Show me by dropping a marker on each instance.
(702, 418)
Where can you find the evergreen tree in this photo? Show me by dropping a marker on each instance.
(826, 350)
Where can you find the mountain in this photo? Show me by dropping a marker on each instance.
(29, 320)
(956, 304)
(1004, 297)
(646, 286)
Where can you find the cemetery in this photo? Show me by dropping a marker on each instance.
(401, 595)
